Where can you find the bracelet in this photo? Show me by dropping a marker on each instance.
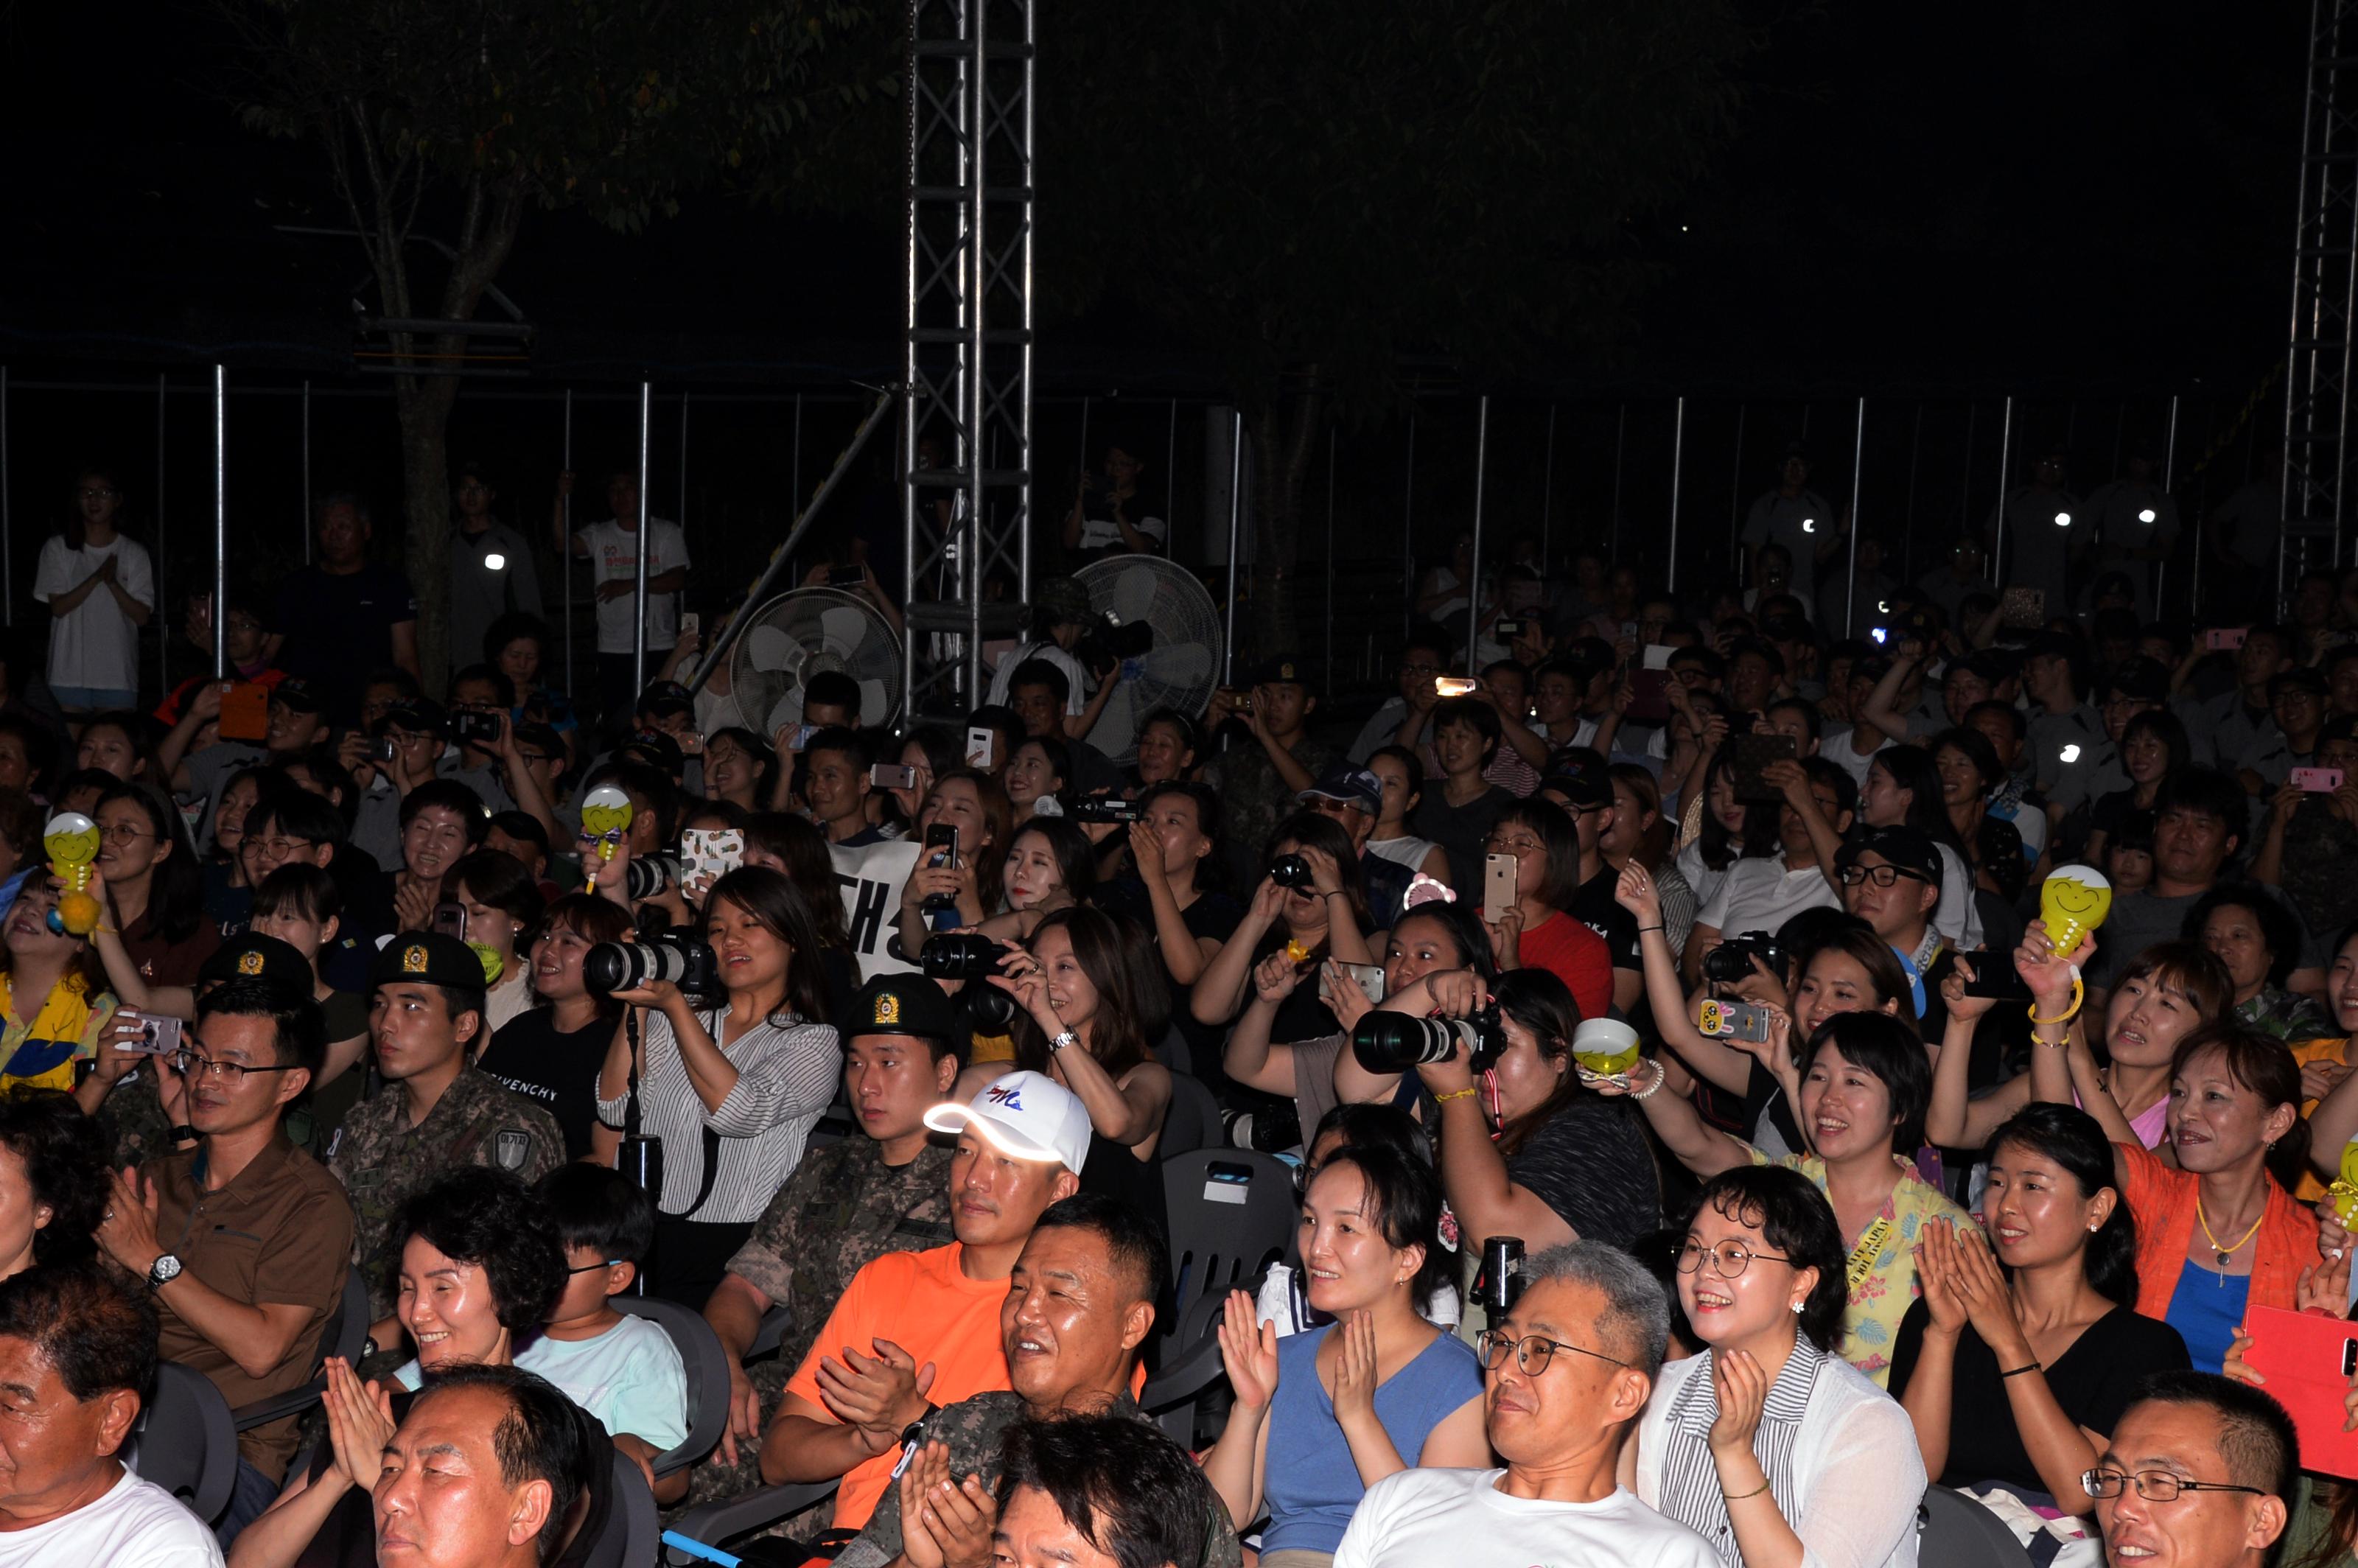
(1739, 1497)
(2078, 995)
(2018, 1371)
(1454, 1094)
(1643, 929)
(1650, 1090)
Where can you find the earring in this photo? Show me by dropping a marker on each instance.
(1797, 1308)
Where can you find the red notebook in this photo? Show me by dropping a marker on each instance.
(2308, 1362)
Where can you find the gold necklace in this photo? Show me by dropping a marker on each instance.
(2226, 1252)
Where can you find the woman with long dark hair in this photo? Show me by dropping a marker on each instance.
(973, 803)
(1539, 838)
(1039, 779)
(552, 1054)
(2153, 745)
(502, 903)
(1903, 789)
(731, 1090)
(1731, 831)
(100, 587)
(1329, 918)
(2026, 1347)
(153, 886)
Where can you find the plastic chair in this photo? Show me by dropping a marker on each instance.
(706, 1365)
(769, 1335)
(344, 1333)
(632, 1532)
(1231, 1212)
(1172, 1397)
(715, 1523)
(1952, 1531)
(1192, 1121)
(187, 1443)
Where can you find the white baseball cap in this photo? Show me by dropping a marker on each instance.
(1028, 1116)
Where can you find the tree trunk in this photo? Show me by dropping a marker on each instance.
(1285, 429)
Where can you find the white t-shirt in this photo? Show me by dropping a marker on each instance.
(1408, 849)
(138, 1524)
(1076, 680)
(1842, 750)
(1413, 1518)
(94, 645)
(1760, 894)
(1101, 533)
(614, 557)
(631, 1377)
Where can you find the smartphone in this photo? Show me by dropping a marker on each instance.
(384, 750)
(1748, 757)
(1507, 631)
(690, 624)
(891, 775)
(1724, 1019)
(2022, 608)
(1369, 978)
(1994, 979)
(708, 854)
(691, 745)
(450, 919)
(942, 835)
(1649, 696)
(801, 737)
(2318, 780)
(470, 724)
(845, 576)
(244, 711)
(1630, 630)
(979, 746)
(1497, 885)
(2226, 638)
(1454, 685)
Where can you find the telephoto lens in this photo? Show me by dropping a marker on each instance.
(640, 1159)
(1500, 1279)
(959, 955)
(1291, 871)
(1396, 1042)
(630, 966)
(651, 874)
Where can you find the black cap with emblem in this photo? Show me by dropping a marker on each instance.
(902, 1004)
(428, 957)
(252, 956)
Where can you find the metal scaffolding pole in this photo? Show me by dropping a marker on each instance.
(639, 581)
(1171, 487)
(2169, 488)
(2005, 462)
(1678, 458)
(682, 518)
(1907, 524)
(164, 642)
(220, 522)
(1473, 580)
(1547, 497)
(1858, 469)
(1330, 557)
(1236, 501)
(565, 546)
(2317, 461)
(8, 534)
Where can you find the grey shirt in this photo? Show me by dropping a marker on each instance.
(480, 592)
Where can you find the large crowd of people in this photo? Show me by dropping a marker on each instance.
(1690, 962)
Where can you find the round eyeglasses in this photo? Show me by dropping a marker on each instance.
(1728, 1260)
(1532, 1352)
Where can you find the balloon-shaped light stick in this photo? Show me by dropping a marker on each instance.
(2345, 1187)
(2073, 901)
(606, 815)
(1606, 1047)
(71, 840)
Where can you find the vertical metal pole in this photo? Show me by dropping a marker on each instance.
(1857, 469)
(1678, 459)
(1085, 432)
(1171, 490)
(220, 522)
(1408, 530)
(7, 536)
(164, 642)
(1474, 568)
(1736, 494)
(639, 588)
(2004, 460)
(1620, 440)
(1547, 494)
(2168, 485)
(1329, 665)
(1236, 499)
(795, 509)
(565, 548)
(307, 473)
(1965, 495)
(682, 518)
(1907, 524)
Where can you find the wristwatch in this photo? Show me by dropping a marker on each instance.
(163, 1271)
(1062, 1039)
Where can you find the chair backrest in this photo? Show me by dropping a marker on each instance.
(706, 1365)
(187, 1443)
(1954, 1531)
(1192, 1121)
(347, 1328)
(632, 1534)
(1230, 1212)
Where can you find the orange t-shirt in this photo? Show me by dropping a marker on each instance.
(921, 1303)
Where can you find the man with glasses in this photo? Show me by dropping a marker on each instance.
(492, 571)
(2198, 1474)
(1421, 660)
(1571, 1367)
(243, 1239)
(1354, 797)
(1891, 878)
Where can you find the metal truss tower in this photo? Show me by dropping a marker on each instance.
(2318, 451)
(965, 435)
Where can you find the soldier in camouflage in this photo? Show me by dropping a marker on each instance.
(436, 1112)
(1260, 783)
(847, 1204)
(1067, 1353)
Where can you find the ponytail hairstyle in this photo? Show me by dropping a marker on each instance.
(2075, 1140)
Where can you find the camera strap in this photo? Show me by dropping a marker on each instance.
(712, 1138)
(631, 1081)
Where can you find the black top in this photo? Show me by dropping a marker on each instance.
(1460, 831)
(1116, 1171)
(2094, 1381)
(1590, 1163)
(339, 628)
(1592, 903)
(1213, 915)
(553, 1069)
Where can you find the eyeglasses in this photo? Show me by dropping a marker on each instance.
(1420, 669)
(123, 833)
(2153, 1486)
(1532, 1353)
(101, 494)
(1728, 1260)
(281, 846)
(1515, 846)
(1881, 876)
(187, 1064)
(593, 1268)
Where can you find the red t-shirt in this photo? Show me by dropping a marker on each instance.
(1575, 954)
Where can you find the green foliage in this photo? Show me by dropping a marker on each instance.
(615, 105)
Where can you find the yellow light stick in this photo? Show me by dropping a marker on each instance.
(606, 814)
(2344, 1188)
(71, 840)
(2073, 901)
(1606, 1047)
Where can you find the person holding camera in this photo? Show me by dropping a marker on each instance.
(727, 1092)
(1762, 893)
(1309, 906)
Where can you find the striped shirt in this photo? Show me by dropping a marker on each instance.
(786, 1075)
(1691, 1492)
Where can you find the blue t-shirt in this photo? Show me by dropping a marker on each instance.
(2205, 1309)
(1311, 1495)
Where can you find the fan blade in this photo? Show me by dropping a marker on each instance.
(1181, 663)
(1134, 593)
(774, 649)
(842, 628)
(875, 698)
(788, 710)
(1116, 730)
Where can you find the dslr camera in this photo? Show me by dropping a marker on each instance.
(472, 724)
(1397, 1042)
(1291, 871)
(1108, 809)
(1731, 961)
(648, 875)
(973, 957)
(673, 955)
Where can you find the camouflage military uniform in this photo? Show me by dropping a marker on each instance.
(971, 1429)
(841, 1208)
(1254, 799)
(134, 1119)
(381, 1160)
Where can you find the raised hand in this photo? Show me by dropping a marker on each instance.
(1743, 1389)
(1952, 988)
(1636, 893)
(1249, 1351)
(1275, 977)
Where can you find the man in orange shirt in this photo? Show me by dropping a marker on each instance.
(916, 1331)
